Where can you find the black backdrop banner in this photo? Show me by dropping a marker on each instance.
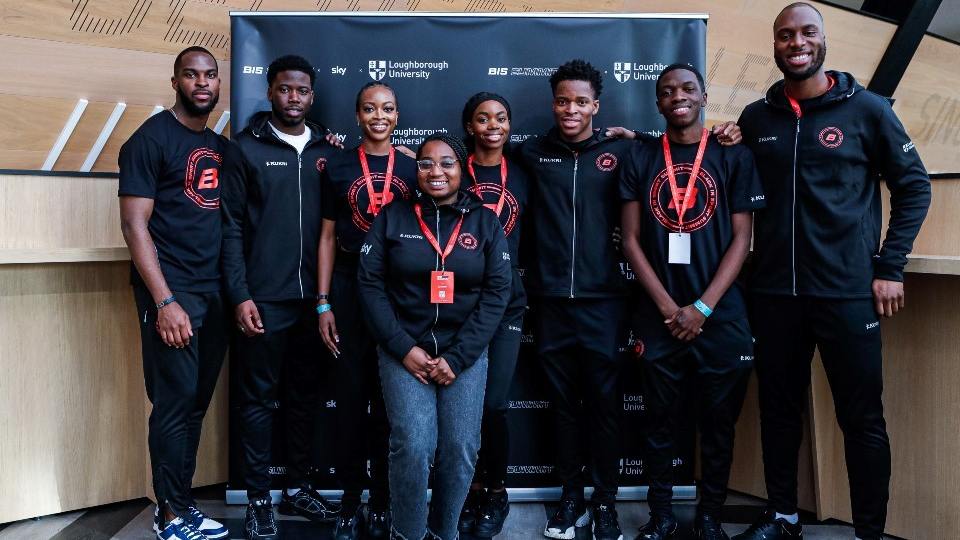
(434, 62)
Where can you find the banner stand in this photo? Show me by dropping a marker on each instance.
(629, 493)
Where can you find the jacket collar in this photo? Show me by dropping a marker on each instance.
(845, 87)
(553, 136)
(259, 127)
(466, 202)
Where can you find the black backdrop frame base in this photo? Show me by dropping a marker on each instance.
(522, 494)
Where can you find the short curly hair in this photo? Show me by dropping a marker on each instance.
(290, 62)
(578, 70)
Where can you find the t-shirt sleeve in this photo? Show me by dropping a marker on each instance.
(630, 171)
(744, 193)
(141, 159)
(328, 195)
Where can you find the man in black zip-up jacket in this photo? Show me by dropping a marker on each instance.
(579, 287)
(820, 275)
(271, 229)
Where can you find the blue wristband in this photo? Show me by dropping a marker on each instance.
(703, 308)
(166, 302)
(323, 308)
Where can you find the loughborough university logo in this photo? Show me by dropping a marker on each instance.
(622, 71)
(377, 69)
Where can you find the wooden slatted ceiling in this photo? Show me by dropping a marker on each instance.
(122, 50)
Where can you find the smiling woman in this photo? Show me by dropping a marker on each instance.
(434, 281)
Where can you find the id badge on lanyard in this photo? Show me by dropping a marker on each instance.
(441, 281)
(678, 246)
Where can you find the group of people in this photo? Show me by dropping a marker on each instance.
(406, 269)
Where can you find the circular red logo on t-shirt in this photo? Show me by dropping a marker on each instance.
(639, 348)
(831, 137)
(201, 183)
(703, 202)
(467, 241)
(359, 200)
(321, 163)
(490, 194)
(606, 162)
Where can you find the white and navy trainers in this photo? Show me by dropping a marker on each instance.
(178, 529)
(210, 528)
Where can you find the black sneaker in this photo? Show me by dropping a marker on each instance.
(471, 508)
(309, 504)
(260, 523)
(349, 524)
(769, 527)
(572, 513)
(378, 524)
(492, 513)
(605, 523)
(658, 528)
(708, 527)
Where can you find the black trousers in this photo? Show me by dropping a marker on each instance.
(287, 355)
(179, 384)
(502, 354)
(578, 342)
(360, 435)
(847, 333)
(718, 364)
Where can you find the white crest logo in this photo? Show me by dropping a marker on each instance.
(377, 69)
(622, 71)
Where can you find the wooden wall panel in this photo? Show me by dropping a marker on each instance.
(928, 103)
(922, 406)
(940, 234)
(74, 433)
(56, 212)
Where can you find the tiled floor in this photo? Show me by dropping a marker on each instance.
(132, 521)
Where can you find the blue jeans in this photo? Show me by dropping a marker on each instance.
(428, 420)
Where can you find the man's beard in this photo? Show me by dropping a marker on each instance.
(815, 66)
(280, 115)
(192, 108)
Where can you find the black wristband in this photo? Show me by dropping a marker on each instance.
(166, 301)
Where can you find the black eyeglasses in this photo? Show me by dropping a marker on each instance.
(445, 164)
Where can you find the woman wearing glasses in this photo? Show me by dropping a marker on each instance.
(357, 185)
(502, 185)
(434, 282)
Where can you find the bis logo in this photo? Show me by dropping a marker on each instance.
(377, 69)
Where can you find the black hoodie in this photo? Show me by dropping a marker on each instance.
(575, 206)
(394, 279)
(270, 201)
(820, 232)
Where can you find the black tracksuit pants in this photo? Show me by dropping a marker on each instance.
(578, 342)
(288, 350)
(847, 333)
(718, 363)
(179, 384)
(360, 436)
(502, 354)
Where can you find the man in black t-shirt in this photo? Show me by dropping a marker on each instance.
(686, 232)
(170, 218)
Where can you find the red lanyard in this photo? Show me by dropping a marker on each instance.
(376, 203)
(691, 183)
(795, 105)
(503, 182)
(433, 239)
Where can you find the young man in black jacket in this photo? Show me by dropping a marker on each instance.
(172, 228)
(271, 229)
(579, 288)
(821, 277)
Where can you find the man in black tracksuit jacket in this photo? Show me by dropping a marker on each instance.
(579, 287)
(271, 229)
(820, 275)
